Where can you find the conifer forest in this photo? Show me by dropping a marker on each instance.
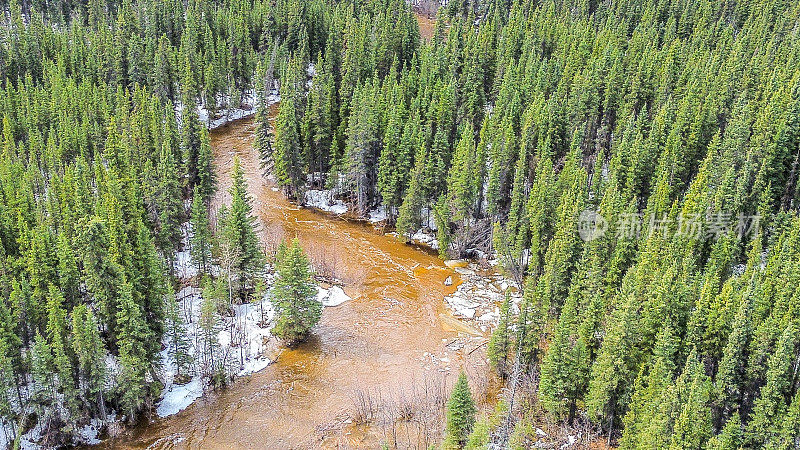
(446, 224)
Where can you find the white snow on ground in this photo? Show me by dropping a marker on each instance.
(324, 200)
(88, 433)
(425, 238)
(334, 296)
(5, 436)
(177, 398)
(184, 268)
(428, 219)
(253, 366)
(570, 442)
(223, 116)
(378, 214)
(28, 441)
(243, 337)
(480, 296)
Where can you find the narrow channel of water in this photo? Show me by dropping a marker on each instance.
(394, 338)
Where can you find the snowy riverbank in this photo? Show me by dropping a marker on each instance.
(479, 297)
(245, 343)
(325, 200)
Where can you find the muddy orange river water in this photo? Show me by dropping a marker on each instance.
(391, 336)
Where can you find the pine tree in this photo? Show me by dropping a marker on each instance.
(692, 428)
(210, 358)
(6, 382)
(68, 273)
(790, 429)
(206, 177)
(132, 338)
(170, 205)
(238, 234)
(771, 405)
(11, 354)
(201, 240)
(649, 388)
(564, 373)
(408, 218)
(731, 375)
(58, 340)
(500, 343)
(91, 354)
(176, 336)
(43, 395)
(460, 414)
(191, 142)
(614, 370)
(294, 295)
(288, 160)
(730, 438)
(462, 189)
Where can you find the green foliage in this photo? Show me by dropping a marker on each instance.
(500, 343)
(288, 160)
(460, 414)
(294, 294)
(241, 251)
(91, 356)
(175, 335)
(654, 111)
(202, 240)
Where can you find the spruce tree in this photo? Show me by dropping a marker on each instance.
(692, 427)
(178, 343)
(201, 240)
(91, 354)
(500, 343)
(239, 235)
(460, 414)
(206, 177)
(133, 336)
(170, 205)
(771, 406)
(294, 294)
(288, 160)
(43, 394)
(210, 358)
(7, 382)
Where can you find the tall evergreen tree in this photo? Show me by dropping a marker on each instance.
(460, 414)
(238, 233)
(91, 356)
(294, 294)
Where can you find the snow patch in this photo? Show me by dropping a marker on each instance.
(334, 296)
(5, 436)
(378, 214)
(480, 295)
(177, 398)
(242, 338)
(88, 433)
(425, 238)
(325, 201)
(253, 366)
(570, 442)
(184, 267)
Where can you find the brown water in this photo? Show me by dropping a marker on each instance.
(389, 338)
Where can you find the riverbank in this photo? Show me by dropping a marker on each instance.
(394, 341)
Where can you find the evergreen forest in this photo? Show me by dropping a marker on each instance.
(674, 125)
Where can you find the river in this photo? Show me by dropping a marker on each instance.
(393, 345)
